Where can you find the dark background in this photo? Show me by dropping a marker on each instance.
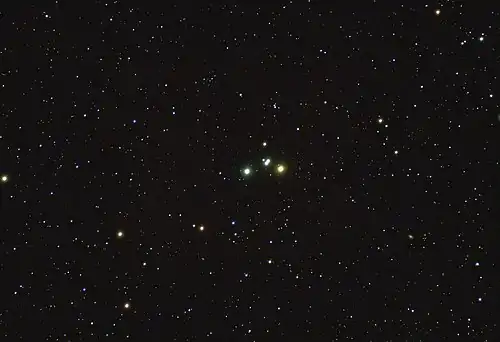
(138, 119)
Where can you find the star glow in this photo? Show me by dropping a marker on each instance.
(280, 169)
(247, 171)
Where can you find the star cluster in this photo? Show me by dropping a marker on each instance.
(278, 169)
(302, 171)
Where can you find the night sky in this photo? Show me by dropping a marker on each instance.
(306, 171)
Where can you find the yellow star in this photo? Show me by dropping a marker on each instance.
(280, 169)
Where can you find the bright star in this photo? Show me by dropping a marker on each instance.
(4, 179)
(280, 169)
(126, 305)
(266, 161)
(202, 228)
(437, 12)
(246, 171)
(119, 234)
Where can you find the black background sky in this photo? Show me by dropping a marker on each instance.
(125, 128)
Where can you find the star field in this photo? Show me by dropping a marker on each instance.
(303, 171)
